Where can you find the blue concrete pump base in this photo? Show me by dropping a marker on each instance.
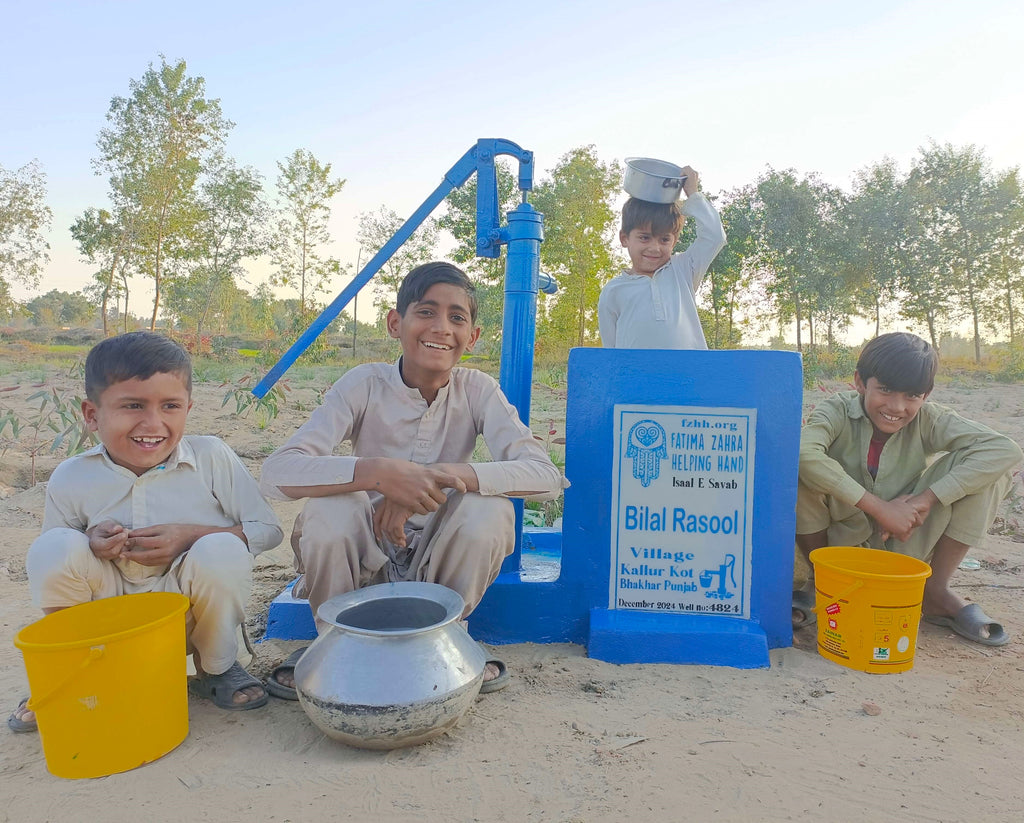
(647, 637)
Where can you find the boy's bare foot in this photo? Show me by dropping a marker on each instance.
(940, 601)
(281, 682)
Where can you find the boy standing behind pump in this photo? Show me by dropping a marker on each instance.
(652, 305)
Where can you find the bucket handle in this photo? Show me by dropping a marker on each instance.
(95, 653)
(844, 593)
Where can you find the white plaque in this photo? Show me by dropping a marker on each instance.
(682, 507)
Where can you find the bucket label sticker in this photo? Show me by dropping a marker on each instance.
(880, 653)
(682, 509)
(833, 623)
(831, 641)
(832, 608)
(903, 644)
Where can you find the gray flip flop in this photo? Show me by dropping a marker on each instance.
(279, 689)
(495, 684)
(803, 609)
(969, 623)
(19, 726)
(221, 688)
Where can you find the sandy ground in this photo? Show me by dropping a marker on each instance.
(575, 739)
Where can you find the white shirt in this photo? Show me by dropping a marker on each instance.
(660, 312)
(202, 483)
(371, 407)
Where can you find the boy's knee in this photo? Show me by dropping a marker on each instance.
(333, 511)
(59, 549)
(486, 517)
(220, 553)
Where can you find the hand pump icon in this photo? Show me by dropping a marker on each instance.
(728, 567)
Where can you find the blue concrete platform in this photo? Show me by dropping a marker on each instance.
(560, 586)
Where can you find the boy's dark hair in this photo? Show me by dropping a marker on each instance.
(663, 218)
(903, 362)
(420, 279)
(136, 354)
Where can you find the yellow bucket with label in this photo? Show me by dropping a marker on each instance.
(868, 604)
(108, 682)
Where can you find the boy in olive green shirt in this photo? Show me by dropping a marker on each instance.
(868, 478)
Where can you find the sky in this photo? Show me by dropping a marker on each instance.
(392, 93)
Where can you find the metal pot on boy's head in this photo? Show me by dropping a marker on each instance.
(395, 667)
(653, 180)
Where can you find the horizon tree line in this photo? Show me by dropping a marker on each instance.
(935, 245)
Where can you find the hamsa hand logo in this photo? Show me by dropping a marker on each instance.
(646, 445)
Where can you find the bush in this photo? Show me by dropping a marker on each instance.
(822, 364)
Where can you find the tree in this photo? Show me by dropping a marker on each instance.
(799, 249)
(376, 229)
(232, 218)
(154, 149)
(106, 241)
(832, 280)
(728, 276)
(24, 216)
(304, 191)
(1006, 256)
(884, 231)
(579, 220)
(60, 308)
(961, 214)
(488, 273)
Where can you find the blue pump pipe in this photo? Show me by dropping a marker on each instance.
(523, 235)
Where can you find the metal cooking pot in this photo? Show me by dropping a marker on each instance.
(653, 180)
(394, 669)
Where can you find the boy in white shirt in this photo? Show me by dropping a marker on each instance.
(653, 304)
(151, 509)
(408, 504)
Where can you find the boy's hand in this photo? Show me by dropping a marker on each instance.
(412, 486)
(898, 518)
(107, 539)
(923, 502)
(159, 545)
(692, 181)
(389, 522)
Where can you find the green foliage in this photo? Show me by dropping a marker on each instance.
(60, 308)
(54, 424)
(24, 217)
(799, 230)
(305, 189)
(488, 273)
(264, 409)
(154, 150)
(1009, 364)
(376, 229)
(579, 223)
(230, 226)
(545, 512)
(728, 277)
(821, 364)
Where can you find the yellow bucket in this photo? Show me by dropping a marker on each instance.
(108, 682)
(868, 604)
